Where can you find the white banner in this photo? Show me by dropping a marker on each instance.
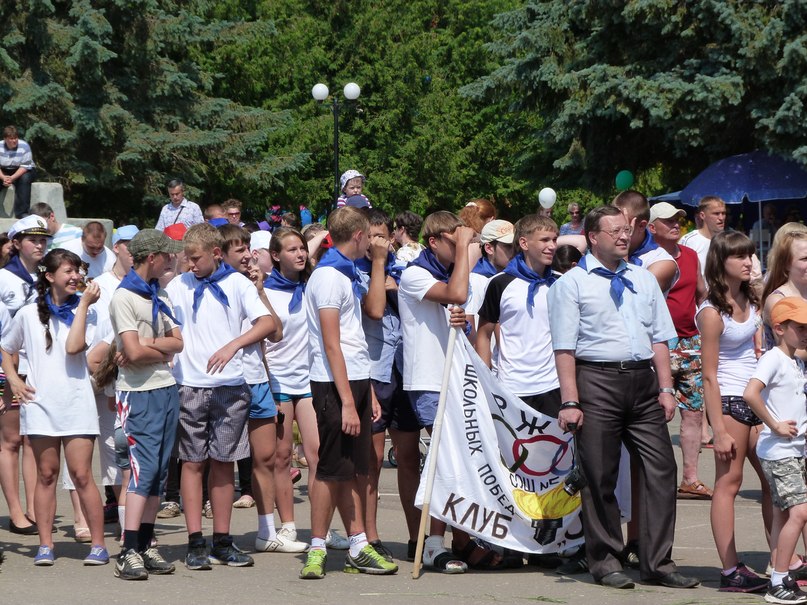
(501, 465)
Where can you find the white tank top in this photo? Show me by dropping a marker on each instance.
(737, 360)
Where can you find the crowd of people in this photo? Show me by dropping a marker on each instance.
(188, 348)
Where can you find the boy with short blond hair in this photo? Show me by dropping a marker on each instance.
(340, 385)
(211, 301)
(775, 393)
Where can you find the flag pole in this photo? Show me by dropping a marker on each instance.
(437, 429)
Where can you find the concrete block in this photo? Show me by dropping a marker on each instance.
(50, 193)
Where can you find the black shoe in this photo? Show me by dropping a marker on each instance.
(577, 564)
(674, 579)
(630, 554)
(547, 561)
(786, 592)
(30, 530)
(616, 579)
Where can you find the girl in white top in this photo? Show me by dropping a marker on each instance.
(729, 324)
(288, 367)
(29, 241)
(58, 403)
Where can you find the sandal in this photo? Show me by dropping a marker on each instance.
(245, 501)
(694, 491)
(82, 534)
(490, 560)
(437, 557)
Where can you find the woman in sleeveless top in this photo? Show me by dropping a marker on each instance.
(729, 324)
(787, 271)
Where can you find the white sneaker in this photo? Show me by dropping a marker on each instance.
(282, 543)
(335, 541)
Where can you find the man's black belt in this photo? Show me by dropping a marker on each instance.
(644, 364)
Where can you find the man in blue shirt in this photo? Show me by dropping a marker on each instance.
(610, 327)
(17, 168)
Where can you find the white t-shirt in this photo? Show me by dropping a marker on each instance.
(425, 331)
(327, 288)
(289, 359)
(784, 397)
(211, 327)
(526, 360)
(107, 282)
(651, 257)
(14, 294)
(95, 265)
(254, 370)
(699, 244)
(478, 285)
(64, 403)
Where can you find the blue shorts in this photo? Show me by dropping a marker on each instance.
(396, 410)
(262, 405)
(149, 420)
(284, 398)
(121, 449)
(424, 404)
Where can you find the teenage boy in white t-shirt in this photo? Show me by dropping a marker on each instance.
(340, 387)
(776, 394)
(148, 400)
(211, 302)
(428, 285)
(516, 303)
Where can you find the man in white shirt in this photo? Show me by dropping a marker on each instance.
(91, 249)
(712, 215)
(179, 210)
(61, 233)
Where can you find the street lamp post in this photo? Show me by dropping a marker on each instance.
(320, 93)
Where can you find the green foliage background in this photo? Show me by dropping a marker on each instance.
(493, 98)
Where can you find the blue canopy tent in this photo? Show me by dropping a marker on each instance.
(756, 176)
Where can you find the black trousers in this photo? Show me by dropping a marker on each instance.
(22, 191)
(622, 406)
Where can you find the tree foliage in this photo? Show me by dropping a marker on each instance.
(113, 102)
(639, 83)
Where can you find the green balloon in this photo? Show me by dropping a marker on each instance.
(624, 180)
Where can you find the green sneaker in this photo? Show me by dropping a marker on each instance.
(314, 568)
(369, 561)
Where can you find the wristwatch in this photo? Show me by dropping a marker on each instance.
(669, 390)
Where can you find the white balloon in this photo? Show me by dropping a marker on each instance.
(547, 197)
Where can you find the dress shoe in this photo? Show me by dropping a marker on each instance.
(676, 580)
(31, 530)
(616, 579)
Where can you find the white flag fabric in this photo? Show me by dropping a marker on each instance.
(501, 465)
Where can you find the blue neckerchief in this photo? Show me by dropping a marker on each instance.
(277, 281)
(648, 244)
(484, 267)
(618, 280)
(392, 268)
(518, 268)
(427, 260)
(220, 273)
(16, 267)
(134, 283)
(345, 266)
(63, 312)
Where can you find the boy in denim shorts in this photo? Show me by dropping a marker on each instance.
(212, 301)
(776, 394)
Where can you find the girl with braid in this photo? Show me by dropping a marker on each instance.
(58, 407)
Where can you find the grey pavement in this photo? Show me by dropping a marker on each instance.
(274, 579)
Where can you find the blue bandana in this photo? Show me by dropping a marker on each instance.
(63, 312)
(16, 267)
(277, 281)
(618, 280)
(345, 266)
(648, 244)
(518, 268)
(134, 283)
(484, 267)
(427, 260)
(392, 268)
(220, 273)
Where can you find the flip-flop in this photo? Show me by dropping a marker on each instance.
(708, 444)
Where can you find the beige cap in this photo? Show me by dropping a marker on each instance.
(665, 210)
(499, 231)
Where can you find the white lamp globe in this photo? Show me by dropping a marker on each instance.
(352, 91)
(319, 92)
